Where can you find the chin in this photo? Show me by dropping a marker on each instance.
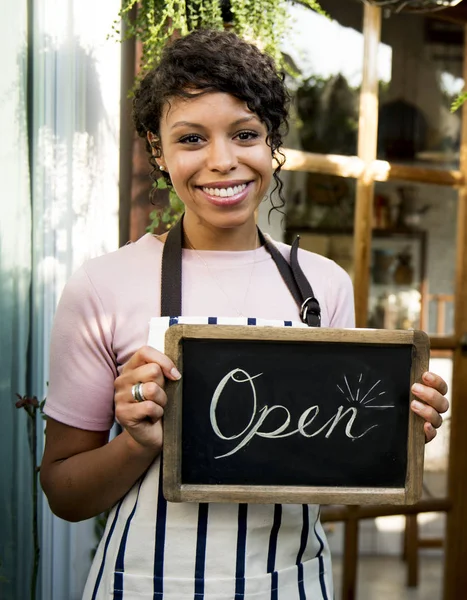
(232, 221)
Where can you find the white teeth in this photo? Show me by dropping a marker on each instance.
(225, 192)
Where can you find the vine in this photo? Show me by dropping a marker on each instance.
(459, 101)
(34, 409)
(156, 21)
(169, 215)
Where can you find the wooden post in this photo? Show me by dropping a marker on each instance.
(367, 148)
(350, 563)
(411, 550)
(363, 222)
(128, 73)
(455, 580)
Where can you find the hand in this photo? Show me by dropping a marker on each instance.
(432, 393)
(142, 420)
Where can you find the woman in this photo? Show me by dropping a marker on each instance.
(212, 114)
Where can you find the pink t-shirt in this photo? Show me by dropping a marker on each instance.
(104, 313)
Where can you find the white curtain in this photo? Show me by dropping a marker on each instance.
(15, 270)
(75, 159)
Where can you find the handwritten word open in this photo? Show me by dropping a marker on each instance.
(258, 418)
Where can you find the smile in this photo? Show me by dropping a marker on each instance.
(227, 192)
(228, 195)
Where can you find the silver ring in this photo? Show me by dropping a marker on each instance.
(137, 392)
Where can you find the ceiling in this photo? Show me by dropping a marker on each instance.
(457, 13)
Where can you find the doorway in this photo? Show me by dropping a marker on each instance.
(375, 174)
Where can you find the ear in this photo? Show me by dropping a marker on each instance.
(156, 147)
(152, 139)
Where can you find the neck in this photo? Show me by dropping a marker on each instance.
(201, 236)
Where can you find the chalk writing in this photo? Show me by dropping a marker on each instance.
(258, 417)
(366, 403)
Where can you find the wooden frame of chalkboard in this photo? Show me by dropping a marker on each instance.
(255, 417)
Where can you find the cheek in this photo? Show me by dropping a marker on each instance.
(261, 159)
(182, 168)
(264, 166)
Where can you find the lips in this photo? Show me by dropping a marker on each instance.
(226, 195)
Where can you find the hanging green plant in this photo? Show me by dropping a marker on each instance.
(266, 22)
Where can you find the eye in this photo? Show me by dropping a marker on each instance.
(246, 136)
(192, 138)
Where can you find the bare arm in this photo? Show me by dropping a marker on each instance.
(83, 474)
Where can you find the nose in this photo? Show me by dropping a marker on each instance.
(222, 156)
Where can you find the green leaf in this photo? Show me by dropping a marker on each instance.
(156, 21)
(314, 5)
(459, 101)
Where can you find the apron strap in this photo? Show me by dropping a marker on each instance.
(295, 279)
(292, 274)
(171, 277)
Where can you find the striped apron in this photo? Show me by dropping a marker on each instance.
(155, 549)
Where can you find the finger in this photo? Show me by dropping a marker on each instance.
(125, 383)
(431, 396)
(151, 391)
(435, 381)
(427, 412)
(430, 432)
(146, 355)
(149, 372)
(132, 414)
(154, 393)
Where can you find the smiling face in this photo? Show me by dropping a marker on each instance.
(215, 151)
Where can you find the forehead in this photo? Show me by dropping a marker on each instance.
(204, 109)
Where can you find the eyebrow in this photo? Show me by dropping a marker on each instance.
(234, 124)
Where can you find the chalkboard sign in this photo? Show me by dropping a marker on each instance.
(291, 415)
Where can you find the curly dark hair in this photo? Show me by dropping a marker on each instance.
(214, 61)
